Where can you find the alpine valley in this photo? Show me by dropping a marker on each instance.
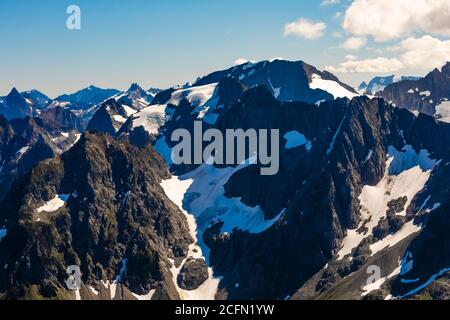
(87, 180)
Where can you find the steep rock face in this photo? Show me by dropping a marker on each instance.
(23, 144)
(422, 95)
(319, 191)
(36, 99)
(26, 142)
(108, 118)
(112, 209)
(15, 106)
(315, 195)
(61, 119)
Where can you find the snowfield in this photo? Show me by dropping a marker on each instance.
(296, 139)
(151, 118)
(175, 189)
(197, 96)
(200, 195)
(406, 175)
(56, 203)
(208, 202)
(443, 111)
(377, 284)
(331, 87)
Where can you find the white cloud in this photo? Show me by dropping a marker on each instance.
(354, 43)
(304, 28)
(351, 57)
(240, 61)
(329, 2)
(377, 65)
(424, 54)
(337, 15)
(392, 19)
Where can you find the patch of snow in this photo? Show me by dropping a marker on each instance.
(407, 263)
(332, 87)
(406, 175)
(197, 96)
(123, 269)
(409, 280)
(119, 118)
(276, 91)
(151, 118)
(93, 290)
(330, 148)
(128, 110)
(164, 150)
(411, 91)
(206, 110)
(145, 297)
(369, 155)
(21, 152)
(3, 233)
(295, 139)
(65, 134)
(77, 295)
(77, 138)
(318, 103)
(392, 239)
(434, 207)
(408, 158)
(443, 111)
(377, 284)
(113, 290)
(56, 203)
(425, 93)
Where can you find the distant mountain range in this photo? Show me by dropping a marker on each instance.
(429, 95)
(363, 182)
(378, 84)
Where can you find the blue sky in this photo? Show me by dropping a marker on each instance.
(163, 43)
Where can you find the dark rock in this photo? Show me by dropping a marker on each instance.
(193, 274)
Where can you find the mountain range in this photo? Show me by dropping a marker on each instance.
(88, 180)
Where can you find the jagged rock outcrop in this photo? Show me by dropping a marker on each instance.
(110, 208)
